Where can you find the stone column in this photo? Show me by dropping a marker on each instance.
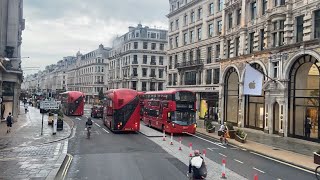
(221, 103)
(281, 117)
(241, 105)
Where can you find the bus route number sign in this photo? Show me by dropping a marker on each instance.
(49, 105)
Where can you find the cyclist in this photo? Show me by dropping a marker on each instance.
(224, 129)
(197, 167)
(88, 126)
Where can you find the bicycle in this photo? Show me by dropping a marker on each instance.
(224, 138)
(88, 132)
(317, 172)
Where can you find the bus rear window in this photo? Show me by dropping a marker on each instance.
(185, 96)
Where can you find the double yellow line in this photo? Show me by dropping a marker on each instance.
(66, 167)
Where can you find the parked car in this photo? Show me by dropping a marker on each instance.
(97, 111)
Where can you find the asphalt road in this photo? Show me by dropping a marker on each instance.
(119, 156)
(244, 162)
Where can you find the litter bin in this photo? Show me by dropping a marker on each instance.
(60, 125)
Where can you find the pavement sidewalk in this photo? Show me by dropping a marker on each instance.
(290, 150)
(25, 153)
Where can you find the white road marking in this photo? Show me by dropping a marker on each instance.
(238, 161)
(218, 144)
(291, 165)
(211, 149)
(105, 130)
(78, 119)
(223, 155)
(97, 124)
(258, 170)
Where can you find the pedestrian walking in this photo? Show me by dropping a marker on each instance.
(26, 108)
(307, 128)
(9, 122)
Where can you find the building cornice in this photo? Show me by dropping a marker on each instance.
(183, 8)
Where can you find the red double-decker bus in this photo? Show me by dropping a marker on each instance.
(121, 110)
(72, 103)
(173, 111)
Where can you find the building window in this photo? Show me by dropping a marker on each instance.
(219, 27)
(160, 86)
(216, 76)
(161, 47)
(170, 42)
(200, 13)
(317, 24)
(237, 45)
(190, 55)
(209, 55)
(279, 2)
(228, 48)
(135, 45)
(170, 62)
(153, 46)
(145, 45)
(160, 60)
(170, 79)
(177, 41)
(210, 30)
(218, 51)
(184, 57)
(251, 41)
(144, 86)
(185, 38)
(253, 10)
(238, 16)
(135, 59)
(261, 39)
(153, 60)
(175, 60)
(145, 59)
(198, 54)
(175, 79)
(185, 20)
(264, 6)
(177, 24)
(220, 5)
(190, 78)
(230, 20)
(135, 72)
(144, 72)
(278, 33)
(191, 36)
(192, 17)
(209, 76)
(153, 73)
(275, 69)
(211, 8)
(171, 26)
(199, 34)
(160, 73)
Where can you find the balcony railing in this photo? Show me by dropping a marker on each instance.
(152, 75)
(190, 64)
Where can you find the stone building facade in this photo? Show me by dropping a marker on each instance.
(138, 60)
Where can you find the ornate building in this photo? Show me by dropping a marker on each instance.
(138, 60)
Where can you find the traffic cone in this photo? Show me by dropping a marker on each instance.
(204, 152)
(255, 177)
(180, 139)
(190, 146)
(223, 174)
(164, 135)
(171, 143)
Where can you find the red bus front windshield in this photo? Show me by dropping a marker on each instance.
(183, 118)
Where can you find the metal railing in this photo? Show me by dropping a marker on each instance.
(190, 63)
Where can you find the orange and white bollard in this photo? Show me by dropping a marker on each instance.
(223, 174)
(204, 152)
(180, 139)
(190, 146)
(164, 135)
(171, 139)
(255, 177)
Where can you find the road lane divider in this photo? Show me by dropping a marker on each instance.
(282, 162)
(66, 168)
(258, 170)
(97, 124)
(222, 155)
(207, 140)
(238, 161)
(105, 130)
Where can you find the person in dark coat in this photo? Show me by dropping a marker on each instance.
(307, 128)
(9, 122)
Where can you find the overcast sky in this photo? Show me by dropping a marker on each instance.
(59, 28)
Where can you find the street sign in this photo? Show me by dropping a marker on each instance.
(49, 105)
